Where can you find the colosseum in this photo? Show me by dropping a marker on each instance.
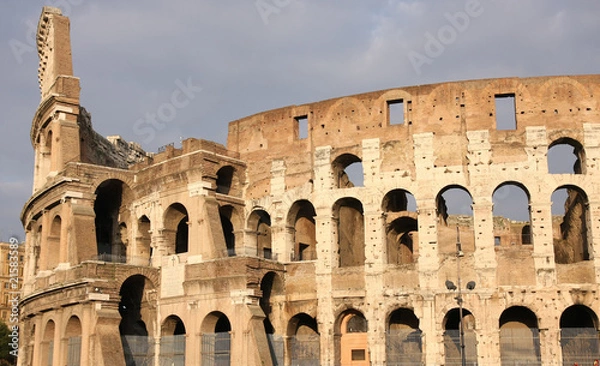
(444, 224)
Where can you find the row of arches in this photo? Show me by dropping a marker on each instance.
(565, 156)
(511, 212)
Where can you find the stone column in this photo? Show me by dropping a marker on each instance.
(543, 245)
(325, 238)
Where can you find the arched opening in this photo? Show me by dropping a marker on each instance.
(570, 222)
(48, 343)
(452, 346)
(401, 226)
(48, 154)
(225, 179)
(172, 342)
(303, 342)
(216, 340)
(37, 248)
(226, 214)
(176, 229)
(579, 335)
(512, 223)
(54, 239)
(519, 337)
(137, 310)
(260, 224)
(301, 219)
(113, 198)
(144, 240)
(404, 339)
(271, 288)
(353, 347)
(350, 232)
(566, 156)
(455, 210)
(348, 171)
(73, 346)
(402, 240)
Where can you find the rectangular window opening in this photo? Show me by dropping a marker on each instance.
(506, 116)
(497, 241)
(302, 127)
(359, 355)
(396, 112)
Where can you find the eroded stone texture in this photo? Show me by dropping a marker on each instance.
(272, 251)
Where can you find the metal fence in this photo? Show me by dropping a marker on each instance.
(74, 351)
(452, 348)
(305, 350)
(520, 347)
(139, 350)
(172, 350)
(579, 345)
(404, 347)
(216, 349)
(276, 348)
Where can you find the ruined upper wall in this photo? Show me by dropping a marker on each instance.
(561, 104)
(54, 51)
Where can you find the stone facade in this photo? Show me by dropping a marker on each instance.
(271, 251)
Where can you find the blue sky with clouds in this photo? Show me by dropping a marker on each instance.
(253, 55)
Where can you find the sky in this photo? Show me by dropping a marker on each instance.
(240, 57)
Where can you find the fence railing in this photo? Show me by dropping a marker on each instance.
(305, 350)
(404, 347)
(579, 345)
(520, 347)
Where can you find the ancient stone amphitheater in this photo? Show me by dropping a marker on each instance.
(362, 230)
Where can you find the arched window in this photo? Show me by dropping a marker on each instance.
(452, 346)
(260, 222)
(113, 198)
(350, 232)
(348, 171)
(454, 208)
(404, 339)
(54, 243)
(566, 156)
(401, 226)
(73, 346)
(136, 312)
(216, 339)
(225, 179)
(301, 219)
(226, 214)
(143, 240)
(176, 229)
(172, 342)
(579, 335)
(512, 223)
(48, 343)
(304, 341)
(353, 344)
(519, 337)
(570, 225)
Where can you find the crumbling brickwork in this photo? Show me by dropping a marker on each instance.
(272, 251)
